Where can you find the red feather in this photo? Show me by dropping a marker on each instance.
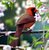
(25, 21)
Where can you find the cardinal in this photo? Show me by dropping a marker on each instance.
(24, 22)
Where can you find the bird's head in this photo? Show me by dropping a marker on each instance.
(34, 10)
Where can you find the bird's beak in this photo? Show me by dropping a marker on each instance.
(35, 10)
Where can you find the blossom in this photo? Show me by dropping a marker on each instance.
(1, 14)
(1, 26)
(16, 18)
(48, 21)
(44, 0)
(2, 9)
(23, 4)
(25, 43)
(8, 33)
(28, 4)
(45, 20)
(18, 10)
(17, 5)
(8, 2)
(42, 10)
(37, 17)
(29, 48)
(7, 47)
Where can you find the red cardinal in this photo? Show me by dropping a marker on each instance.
(25, 21)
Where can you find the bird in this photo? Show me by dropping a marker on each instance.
(25, 21)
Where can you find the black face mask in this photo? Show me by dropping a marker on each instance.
(33, 11)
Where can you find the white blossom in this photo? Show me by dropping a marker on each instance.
(29, 48)
(16, 18)
(8, 33)
(25, 43)
(17, 5)
(46, 18)
(44, 0)
(23, 4)
(8, 2)
(2, 26)
(32, 5)
(1, 14)
(2, 9)
(7, 47)
(42, 10)
(28, 4)
(48, 21)
(18, 10)
(37, 17)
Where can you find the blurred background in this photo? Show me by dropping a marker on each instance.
(11, 10)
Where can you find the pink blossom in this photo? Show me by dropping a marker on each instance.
(37, 17)
(48, 21)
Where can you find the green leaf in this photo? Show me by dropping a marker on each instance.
(47, 35)
(11, 38)
(14, 38)
(47, 14)
(34, 39)
(46, 27)
(39, 4)
(9, 22)
(38, 43)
